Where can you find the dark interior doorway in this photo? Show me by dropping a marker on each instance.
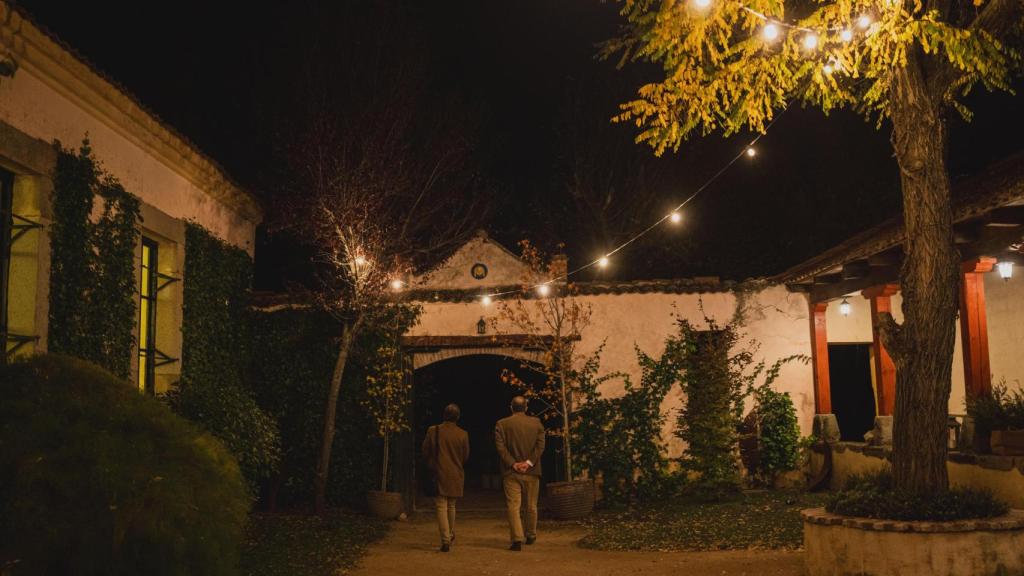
(853, 398)
(474, 383)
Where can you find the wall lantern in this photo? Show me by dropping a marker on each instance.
(844, 307)
(1005, 268)
(481, 326)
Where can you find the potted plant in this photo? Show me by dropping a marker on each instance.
(998, 416)
(387, 398)
(547, 312)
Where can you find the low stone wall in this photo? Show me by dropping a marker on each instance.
(841, 546)
(1003, 475)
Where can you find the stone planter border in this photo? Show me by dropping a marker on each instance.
(843, 546)
(1014, 520)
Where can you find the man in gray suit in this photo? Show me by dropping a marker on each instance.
(520, 443)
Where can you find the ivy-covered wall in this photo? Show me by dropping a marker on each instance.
(92, 269)
(216, 353)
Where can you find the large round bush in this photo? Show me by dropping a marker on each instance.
(96, 478)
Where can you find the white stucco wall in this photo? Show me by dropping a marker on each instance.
(39, 109)
(502, 268)
(1005, 306)
(777, 319)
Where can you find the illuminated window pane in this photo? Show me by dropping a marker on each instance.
(6, 230)
(147, 315)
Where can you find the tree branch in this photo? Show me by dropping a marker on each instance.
(998, 18)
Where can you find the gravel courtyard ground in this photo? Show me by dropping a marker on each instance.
(482, 542)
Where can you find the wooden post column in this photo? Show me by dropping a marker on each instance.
(974, 326)
(885, 370)
(819, 359)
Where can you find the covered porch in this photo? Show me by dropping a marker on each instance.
(848, 286)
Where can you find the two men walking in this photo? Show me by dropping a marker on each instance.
(519, 440)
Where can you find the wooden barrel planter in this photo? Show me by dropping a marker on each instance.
(570, 500)
(841, 545)
(387, 505)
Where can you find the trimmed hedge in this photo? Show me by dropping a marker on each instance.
(96, 478)
(873, 496)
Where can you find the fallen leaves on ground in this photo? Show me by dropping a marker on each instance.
(310, 545)
(756, 520)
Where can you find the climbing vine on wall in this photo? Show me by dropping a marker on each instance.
(92, 269)
(215, 354)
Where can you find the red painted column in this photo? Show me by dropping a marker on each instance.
(974, 326)
(819, 359)
(885, 370)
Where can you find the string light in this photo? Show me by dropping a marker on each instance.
(397, 284)
(770, 32)
(359, 260)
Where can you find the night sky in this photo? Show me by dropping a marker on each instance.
(228, 76)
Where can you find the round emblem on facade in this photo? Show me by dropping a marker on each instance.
(479, 271)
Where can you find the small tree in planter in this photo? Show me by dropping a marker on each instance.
(548, 313)
(387, 399)
(998, 417)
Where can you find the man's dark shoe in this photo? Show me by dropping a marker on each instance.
(516, 547)
(445, 547)
(530, 540)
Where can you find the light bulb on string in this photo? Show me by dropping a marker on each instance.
(810, 41)
(675, 217)
(770, 32)
(702, 4)
(602, 262)
(397, 284)
(751, 152)
(827, 68)
(846, 35)
(486, 300)
(543, 290)
(864, 21)
(359, 260)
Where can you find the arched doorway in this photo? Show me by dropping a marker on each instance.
(474, 382)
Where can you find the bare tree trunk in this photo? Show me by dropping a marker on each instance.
(348, 333)
(567, 432)
(384, 464)
(923, 346)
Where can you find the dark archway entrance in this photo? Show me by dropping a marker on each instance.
(474, 383)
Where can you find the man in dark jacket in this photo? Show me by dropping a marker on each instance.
(447, 447)
(520, 443)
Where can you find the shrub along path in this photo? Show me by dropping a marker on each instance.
(482, 541)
